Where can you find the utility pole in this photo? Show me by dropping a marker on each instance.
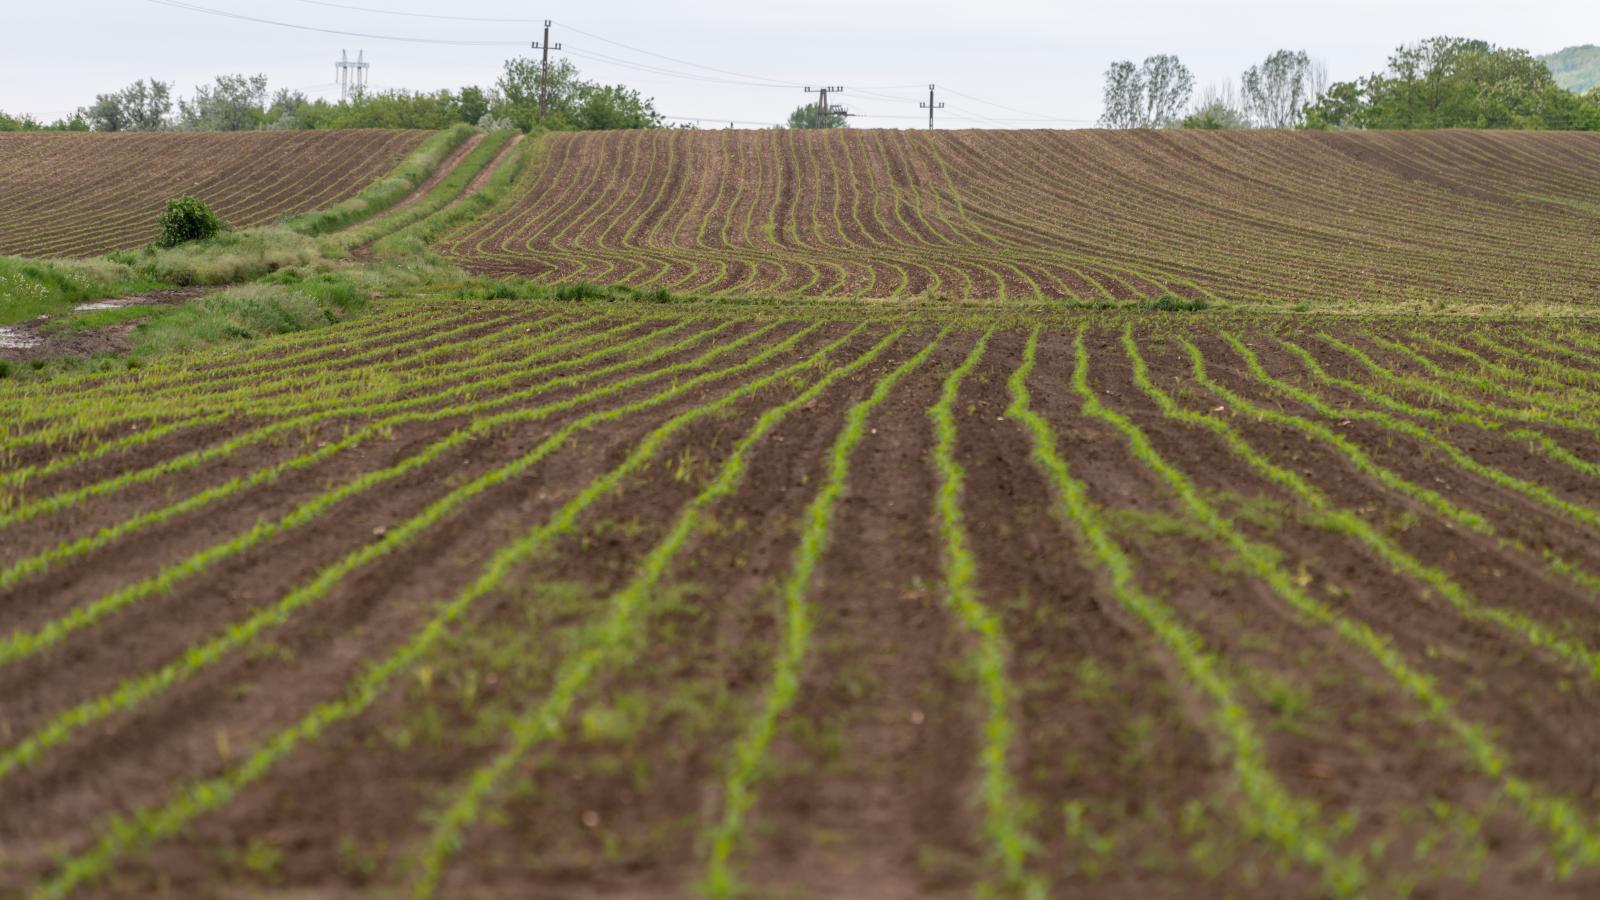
(930, 106)
(824, 111)
(544, 79)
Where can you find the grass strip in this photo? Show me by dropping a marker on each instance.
(411, 173)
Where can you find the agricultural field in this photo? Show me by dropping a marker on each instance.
(478, 598)
(1433, 221)
(81, 195)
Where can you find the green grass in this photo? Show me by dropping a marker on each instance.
(33, 288)
(101, 318)
(399, 184)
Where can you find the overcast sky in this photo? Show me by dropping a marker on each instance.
(1021, 63)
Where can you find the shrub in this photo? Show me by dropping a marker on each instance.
(1174, 303)
(187, 219)
(580, 290)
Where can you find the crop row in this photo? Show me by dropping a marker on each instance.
(86, 194)
(1354, 502)
(1091, 216)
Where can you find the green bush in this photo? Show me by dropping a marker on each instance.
(1173, 303)
(187, 219)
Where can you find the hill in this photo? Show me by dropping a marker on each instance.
(1575, 68)
(1384, 218)
(80, 195)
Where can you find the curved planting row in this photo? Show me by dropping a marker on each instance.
(647, 599)
(1094, 216)
(75, 195)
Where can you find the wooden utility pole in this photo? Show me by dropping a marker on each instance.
(930, 106)
(544, 77)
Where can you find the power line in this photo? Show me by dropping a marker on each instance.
(670, 73)
(737, 78)
(773, 82)
(416, 15)
(179, 4)
(1028, 115)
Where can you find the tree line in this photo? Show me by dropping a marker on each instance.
(245, 103)
(1440, 82)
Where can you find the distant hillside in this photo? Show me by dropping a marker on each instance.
(1576, 68)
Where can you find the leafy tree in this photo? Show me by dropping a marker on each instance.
(1124, 96)
(1217, 108)
(395, 109)
(1277, 91)
(473, 103)
(1167, 86)
(19, 123)
(611, 107)
(1449, 82)
(137, 107)
(809, 116)
(521, 84)
(1148, 96)
(234, 103)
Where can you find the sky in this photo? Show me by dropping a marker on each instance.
(998, 63)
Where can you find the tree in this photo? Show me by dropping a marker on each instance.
(1167, 86)
(1147, 96)
(1277, 91)
(613, 107)
(137, 107)
(1217, 108)
(810, 116)
(1123, 95)
(23, 122)
(234, 103)
(474, 103)
(1450, 82)
(521, 84)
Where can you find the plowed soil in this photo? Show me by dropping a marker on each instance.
(531, 655)
(81, 195)
(1428, 221)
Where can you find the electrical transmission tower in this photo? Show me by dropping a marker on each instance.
(352, 75)
(930, 106)
(825, 111)
(544, 80)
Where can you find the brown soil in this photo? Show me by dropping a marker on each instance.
(873, 786)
